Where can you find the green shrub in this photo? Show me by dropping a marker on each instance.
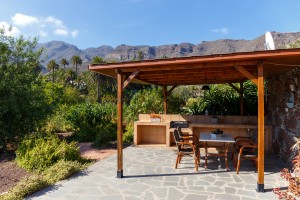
(37, 152)
(61, 170)
(93, 121)
(26, 187)
(195, 106)
(106, 133)
(58, 123)
(144, 101)
(128, 135)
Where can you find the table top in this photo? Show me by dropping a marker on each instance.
(208, 137)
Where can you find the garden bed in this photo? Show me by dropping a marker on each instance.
(11, 174)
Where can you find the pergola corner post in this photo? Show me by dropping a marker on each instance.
(120, 125)
(261, 128)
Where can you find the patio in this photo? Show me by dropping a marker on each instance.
(149, 174)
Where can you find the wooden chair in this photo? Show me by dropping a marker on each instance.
(186, 146)
(244, 148)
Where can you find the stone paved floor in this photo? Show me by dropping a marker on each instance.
(150, 174)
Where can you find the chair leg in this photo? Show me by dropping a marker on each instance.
(238, 164)
(234, 160)
(196, 162)
(180, 158)
(177, 161)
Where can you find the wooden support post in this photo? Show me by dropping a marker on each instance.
(120, 125)
(165, 99)
(241, 99)
(261, 128)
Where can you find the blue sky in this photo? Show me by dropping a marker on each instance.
(92, 23)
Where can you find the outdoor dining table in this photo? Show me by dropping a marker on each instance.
(225, 139)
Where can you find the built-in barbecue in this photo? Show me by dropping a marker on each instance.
(182, 124)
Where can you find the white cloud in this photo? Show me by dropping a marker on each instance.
(74, 33)
(224, 31)
(14, 31)
(24, 20)
(43, 33)
(61, 32)
(45, 26)
(54, 21)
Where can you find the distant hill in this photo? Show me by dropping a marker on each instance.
(57, 49)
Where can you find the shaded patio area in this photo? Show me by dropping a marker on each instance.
(149, 174)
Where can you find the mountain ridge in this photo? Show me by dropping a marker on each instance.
(58, 49)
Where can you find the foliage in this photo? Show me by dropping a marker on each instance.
(91, 119)
(99, 86)
(64, 62)
(224, 100)
(59, 171)
(58, 123)
(144, 101)
(62, 170)
(295, 44)
(250, 98)
(293, 190)
(52, 66)
(97, 60)
(23, 103)
(76, 60)
(128, 134)
(26, 187)
(195, 106)
(39, 151)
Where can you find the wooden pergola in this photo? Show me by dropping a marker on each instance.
(211, 69)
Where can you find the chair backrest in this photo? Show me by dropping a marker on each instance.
(177, 139)
(179, 131)
(254, 136)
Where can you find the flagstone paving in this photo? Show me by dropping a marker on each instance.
(149, 174)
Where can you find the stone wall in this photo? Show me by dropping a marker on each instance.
(285, 121)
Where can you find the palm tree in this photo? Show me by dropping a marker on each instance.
(52, 65)
(76, 60)
(64, 62)
(70, 76)
(98, 60)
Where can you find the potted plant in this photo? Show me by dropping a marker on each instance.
(155, 117)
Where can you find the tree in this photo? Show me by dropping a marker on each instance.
(295, 44)
(23, 105)
(98, 60)
(70, 76)
(76, 60)
(52, 66)
(140, 55)
(64, 62)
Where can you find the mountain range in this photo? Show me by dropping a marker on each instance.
(57, 49)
